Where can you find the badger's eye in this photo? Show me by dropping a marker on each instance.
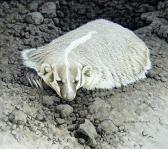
(76, 82)
(51, 77)
(60, 83)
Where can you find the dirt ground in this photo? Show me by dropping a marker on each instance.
(132, 117)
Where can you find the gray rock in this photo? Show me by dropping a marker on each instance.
(49, 9)
(60, 121)
(152, 74)
(88, 132)
(56, 21)
(100, 109)
(40, 116)
(17, 116)
(107, 126)
(48, 101)
(60, 14)
(81, 141)
(34, 18)
(64, 109)
(163, 79)
(105, 145)
(33, 6)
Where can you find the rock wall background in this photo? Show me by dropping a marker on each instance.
(133, 117)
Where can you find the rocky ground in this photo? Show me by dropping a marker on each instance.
(133, 117)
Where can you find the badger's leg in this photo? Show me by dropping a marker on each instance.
(34, 79)
(46, 73)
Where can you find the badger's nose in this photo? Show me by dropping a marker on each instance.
(69, 96)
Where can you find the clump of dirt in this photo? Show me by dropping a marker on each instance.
(130, 117)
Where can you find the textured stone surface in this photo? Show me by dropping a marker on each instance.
(100, 109)
(107, 127)
(34, 18)
(48, 9)
(64, 110)
(88, 132)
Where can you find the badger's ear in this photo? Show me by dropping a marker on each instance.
(33, 58)
(87, 71)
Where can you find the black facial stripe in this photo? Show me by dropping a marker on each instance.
(80, 79)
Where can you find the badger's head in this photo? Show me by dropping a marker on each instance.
(65, 80)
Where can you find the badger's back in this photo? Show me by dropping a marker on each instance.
(114, 49)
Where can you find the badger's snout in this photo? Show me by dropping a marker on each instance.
(69, 96)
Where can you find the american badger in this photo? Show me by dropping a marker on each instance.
(99, 54)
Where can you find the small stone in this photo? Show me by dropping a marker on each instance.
(56, 115)
(121, 128)
(88, 132)
(40, 117)
(60, 14)
(48, 101)
(5, 5)
(99, 109)
(49, 9)
(81, 141)
(33, 6)
(105, 145)
(83, 113)
(71, 127)
(17, 117)
(34, 18)
(37, 132)
(157, 78)
(56, 21)
(20, 116)
(60, 121)
(151, 74)
(11, 117)
(107, 126)
(27, 35)
(163, 79)
(64, 109)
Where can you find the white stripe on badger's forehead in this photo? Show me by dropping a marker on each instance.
(76, 43)
(72, 46)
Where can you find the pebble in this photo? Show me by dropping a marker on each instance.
(60, 14)
(34, 18)
(11, 117)
(81, 141)
(88, 132)
(64, 109)
(157, 78)
(56, 21)
(163, 79)
(40, 117)
(60, 121)
(151, 74)
(99, 109)
(48, 101)
(107, 126)
(33, 6)
(17, 116)
(48, 9)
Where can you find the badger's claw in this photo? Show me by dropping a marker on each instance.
(34, 80)
(39, 82)
(29, 78)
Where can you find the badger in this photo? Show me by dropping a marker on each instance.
(100, 54)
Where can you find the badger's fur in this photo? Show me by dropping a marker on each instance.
(99, 54)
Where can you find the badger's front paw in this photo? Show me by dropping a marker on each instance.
(46, 73)
(33, 79)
